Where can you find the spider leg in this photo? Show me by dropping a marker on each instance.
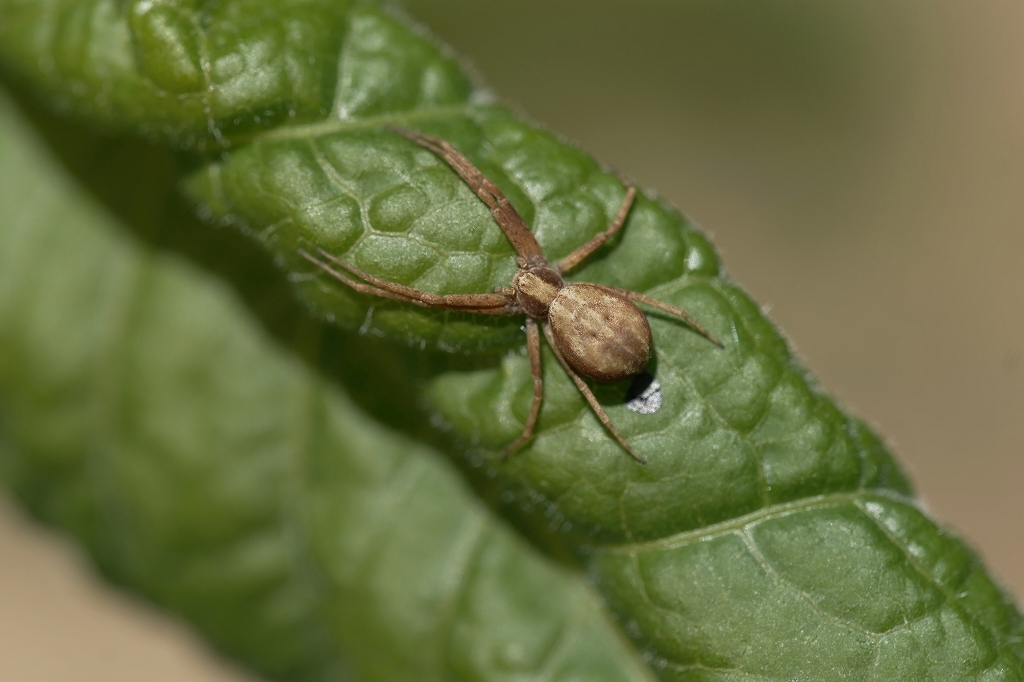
(671, 310)
(533, 348)
(589, 396)
(510, 222)
(484, 304)
(580, 254)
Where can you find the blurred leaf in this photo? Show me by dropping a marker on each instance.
(771, 537)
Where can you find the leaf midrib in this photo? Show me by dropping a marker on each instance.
(332, 125)
(778, 510)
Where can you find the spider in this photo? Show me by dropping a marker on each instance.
(594, 331)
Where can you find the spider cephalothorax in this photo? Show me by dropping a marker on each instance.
(594, 330)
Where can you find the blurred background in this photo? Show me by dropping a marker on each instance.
(860, 165)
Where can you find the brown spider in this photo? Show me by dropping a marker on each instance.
(593, 330)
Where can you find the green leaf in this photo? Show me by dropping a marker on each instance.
(771, 537)
(147, 412)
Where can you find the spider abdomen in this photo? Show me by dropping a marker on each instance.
(600, 332)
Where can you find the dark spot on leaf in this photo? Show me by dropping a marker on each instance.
(644, 395)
